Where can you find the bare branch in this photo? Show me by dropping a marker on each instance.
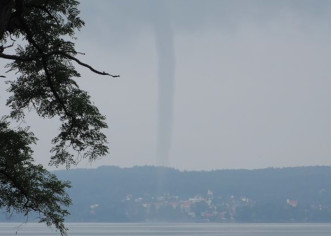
(14, 57)
(85, 65)
(64, 54)
(9, 46)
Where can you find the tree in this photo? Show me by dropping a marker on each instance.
(40, 32)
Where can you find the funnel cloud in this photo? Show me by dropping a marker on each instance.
(166, 81)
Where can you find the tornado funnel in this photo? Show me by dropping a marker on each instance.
(166, 80)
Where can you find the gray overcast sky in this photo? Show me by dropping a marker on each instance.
(252, 82)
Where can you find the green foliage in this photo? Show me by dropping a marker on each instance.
(46, 80)
(26, 187)
(41, 33)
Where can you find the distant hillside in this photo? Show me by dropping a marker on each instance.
(116, 194)
(145, 194)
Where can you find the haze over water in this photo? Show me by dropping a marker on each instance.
(203, 229)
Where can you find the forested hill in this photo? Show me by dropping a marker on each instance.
(163, 194)
(272, 184)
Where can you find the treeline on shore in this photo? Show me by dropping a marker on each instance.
(147, 194)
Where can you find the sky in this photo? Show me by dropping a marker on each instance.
(206, 84)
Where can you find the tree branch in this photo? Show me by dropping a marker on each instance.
(84, 64)
(64, 54)
(29, 37)
(43, 8)
(14, 57)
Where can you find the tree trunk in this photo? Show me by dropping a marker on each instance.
(6, 7)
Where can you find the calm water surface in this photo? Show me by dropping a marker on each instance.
(201, 229)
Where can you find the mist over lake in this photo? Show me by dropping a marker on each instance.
(104, 229)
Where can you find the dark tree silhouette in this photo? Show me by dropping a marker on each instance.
(41, 32)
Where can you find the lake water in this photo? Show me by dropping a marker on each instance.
(201, 229)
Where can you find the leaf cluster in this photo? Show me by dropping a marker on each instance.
(41, 33)
(46, 82)
(26, 187)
